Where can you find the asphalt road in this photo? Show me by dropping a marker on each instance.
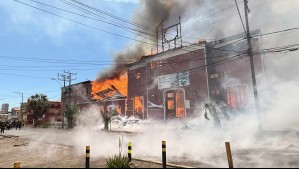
(53, 148)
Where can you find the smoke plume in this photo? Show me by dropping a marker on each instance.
(149, 15)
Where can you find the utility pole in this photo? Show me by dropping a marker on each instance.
(69, 77)
(62, 78)
(250, 54)
(22, 95)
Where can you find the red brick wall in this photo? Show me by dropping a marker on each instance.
(196, 92)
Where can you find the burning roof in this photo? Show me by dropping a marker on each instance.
(110, 93)
(110, 88)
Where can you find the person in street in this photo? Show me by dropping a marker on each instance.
(17, 125)
(2, 125)
(20, 125)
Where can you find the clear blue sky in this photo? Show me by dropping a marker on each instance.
(27, 34)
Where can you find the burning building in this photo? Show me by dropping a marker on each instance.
(165, 85)
(175, 83)
(229, 73)
(111, 94)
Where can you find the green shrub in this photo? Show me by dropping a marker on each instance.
(118, 161)
(45, 125)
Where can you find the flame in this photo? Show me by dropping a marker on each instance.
(180, 112)
(121, 84)
(154, 51)
(138, 104)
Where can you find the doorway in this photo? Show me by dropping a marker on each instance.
(174, 104)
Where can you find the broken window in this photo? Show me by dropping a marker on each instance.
(118, 110)
(170, 104)
(236, 96)
(139, 106)
(180, 112)
(175, 104)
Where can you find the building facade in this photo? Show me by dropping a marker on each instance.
(5, 108)
(78, 94)
(177, 83)
(168, 85)
(230, 78)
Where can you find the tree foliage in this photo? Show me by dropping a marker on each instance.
(38, 105)
(107, 117)
(70, 114)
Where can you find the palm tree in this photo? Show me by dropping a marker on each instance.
(38, 105)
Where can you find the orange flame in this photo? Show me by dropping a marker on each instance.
(138, 104)
(121, 84)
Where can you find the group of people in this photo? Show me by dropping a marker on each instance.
(8, 125)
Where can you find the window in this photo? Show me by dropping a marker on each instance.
(170, 104)
(217, 75)
(236, 96)
(139, 106)
(170, 94)
(215, 92)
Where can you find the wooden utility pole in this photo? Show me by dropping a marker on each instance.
(69, 77)
(250, 54)
(69, 91)
(63, 78)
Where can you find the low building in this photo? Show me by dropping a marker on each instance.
(53, 112)
(16, 113)
(78, 94)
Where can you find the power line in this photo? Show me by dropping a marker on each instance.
(240, 16)
(114, 17)
(275, 32)
(11, 74)
(96, 19)
(83, 24)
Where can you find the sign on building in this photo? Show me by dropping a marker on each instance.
(184, 78)
(167, 81)
(173, 80)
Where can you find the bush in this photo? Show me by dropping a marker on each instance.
(45, 125)
(118, 161)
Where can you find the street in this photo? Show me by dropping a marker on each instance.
(38, 147)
